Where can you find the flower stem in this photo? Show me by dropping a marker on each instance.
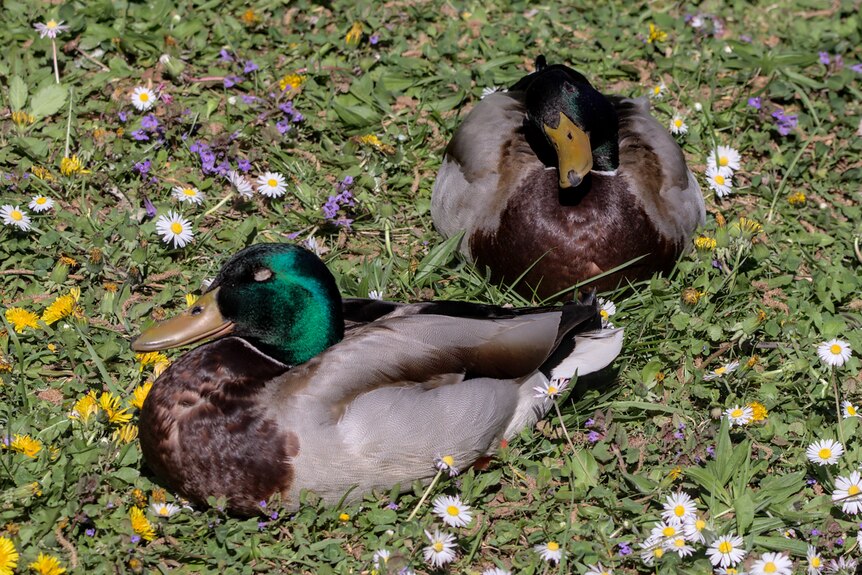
(425, 495)
(837, 406)
(56, 69)
(563, 425)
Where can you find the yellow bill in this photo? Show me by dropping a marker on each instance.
(574, 153)
(202, 321)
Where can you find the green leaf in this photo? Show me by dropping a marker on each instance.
(48, 100)
(585, 469)
(744, 508)
(17, 93)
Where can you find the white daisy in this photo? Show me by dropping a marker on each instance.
(652, 550)
(175, 228)
(721, 183)
(678, 545)
(772, 563)
(496, 571)
(143, 98)
(446, 463)
(721, 371)
(693, 529)
(824, 452)
(723, 158)
(488, 90)
(375, 294)
(663, 530)
(842, 565)
(678, 125)
(658, 91)
(834, 352)
(848, 492)
(849, 410)
(380, 558)
(598, 569)
(726, 550)
(271, 185)
(453, 511)
(188, 194)
(50, 29)
(165, 509)
(739, 415)
(14, 216)
(41, 204)
(678, 508)
(442, 548)
(242, 185)
(551, 389)
(815, 561)
(607, 308)
(312, 245)
(550, 551)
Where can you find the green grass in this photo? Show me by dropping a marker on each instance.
(766, 298)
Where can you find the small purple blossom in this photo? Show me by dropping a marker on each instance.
(143, 168)
(745, 38)
(273, 515)
(590, 422)
(261, 525)
(710, 450)
(625, 549)
(149, 122)
(231, 80)
(151, 209)
(593, 436)
(754, 102)
(815, 532)
(261, 503)
(283, 127)
(810, 481)
(286, 107)
(678, 435)
(249, 67)
(838, 62)
(394, 506)
(225, 56)
(90, 532)
(856, 68)
(824, 58)
(249, 99)
(140, 135)
(374, 39)
(244, 164)
(123, 117)
(785, 123)
(839, 541)
(135, 539)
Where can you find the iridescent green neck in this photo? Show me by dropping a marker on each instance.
(283, 300)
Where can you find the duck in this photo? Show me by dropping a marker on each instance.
(553, 183)
(296, 389)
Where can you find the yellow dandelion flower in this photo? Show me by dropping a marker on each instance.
(344, 517)
(126, 434)
(85, 408)
(354, 34)
(691, 295)
(376, 143)
(705, 243)
(26, 445)
(20, 318)
(292, 81)
(22, 118)
(139, 497)
(111, 287)
(66, 260)
(35, 489)
(249, 17)
(109, 401)
(758, 411)
(8, 556)
(675, 473)
(748, 226)
(160, 367)
(655, 34)
(62, 307)
(797, 199)
(141, 525)
(111, 405)
(47, 565)
(140, 394)
(72, 166)
(150, 358)
(191, 299)
(41, 173)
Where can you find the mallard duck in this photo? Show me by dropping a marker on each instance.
(555, 181)
(302, 390)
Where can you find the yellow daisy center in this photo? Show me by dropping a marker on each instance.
(835, 349)
(453, 511)
(736, 412)
(699, 524)
(679, 510)
(604, 314)
(719, 179)
(770, 568)
(438, 546)
(553, 546)
(51, 24)
(723, 161)
(679, 542)
(163, 511)
(656, 90)
(272, 182)
(814, 561)
(677, 123)
(190, 192)
(824, 453)
(552, 390)
(176, 227)
(41, 201)
(725, 547)
(16, 215)
(851, 410)
(668, 531)
(658, 552)
(448, 460)
(853, 490)
(720, 370)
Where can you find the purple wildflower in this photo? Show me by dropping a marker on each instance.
(143, 168)
(815, 532)
(283, 127)
(345, 223)
(225, 56)
(710, 450)
(123, 117)
(261, 525)
(244, 164)
(196, 147)
(231, 81)
(754, 102)
(248, 99)
(249, 67)
(393, 506)
(274, 515)
(151, 209)
(286, 107)
(745, 38)
(784, 122)
(839, 541)
(262, 503)
(347, 181)
(838, 62)
(856, 68)
(140, 135)
(330, 208)
(149, 122)
(90, 532)
(135, 538)
(590, 422)
(223, 168)
(678, 435)
(292, 235)
(297, 117)
(625, 549)
(824, 58)
(593, 436)
(374, 39)
(810, 481)
(166, 98)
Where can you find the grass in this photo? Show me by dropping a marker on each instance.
(379, 107)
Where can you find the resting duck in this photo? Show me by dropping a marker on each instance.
(304, 391)
(556, 182)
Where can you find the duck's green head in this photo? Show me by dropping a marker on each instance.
(577, 120)
(279, 297)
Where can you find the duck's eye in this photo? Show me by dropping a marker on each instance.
(262, 274)
(197, 310)
(570, 136)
